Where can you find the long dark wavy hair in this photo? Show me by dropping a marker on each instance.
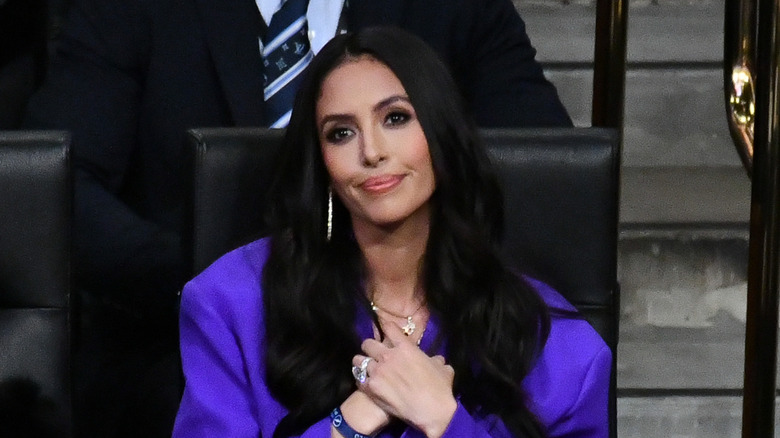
(493, 322)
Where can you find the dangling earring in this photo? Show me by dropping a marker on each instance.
(330, 214)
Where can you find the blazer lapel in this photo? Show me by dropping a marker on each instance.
(232, 28)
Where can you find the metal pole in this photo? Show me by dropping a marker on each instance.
(609, 85)
(763, 265)
(609, 69)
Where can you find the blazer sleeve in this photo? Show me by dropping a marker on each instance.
(217, 399)
(93, 89)
(503, 82)
(589, 415)
(463, 425)
(222, 340)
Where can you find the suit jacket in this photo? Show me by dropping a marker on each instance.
(131, 76)
(222, 338)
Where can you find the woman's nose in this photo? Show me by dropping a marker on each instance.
(373, 149)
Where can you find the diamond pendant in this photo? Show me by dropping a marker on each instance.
(409, 327)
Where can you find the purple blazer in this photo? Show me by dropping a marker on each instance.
(225, 395)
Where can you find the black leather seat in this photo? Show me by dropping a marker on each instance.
(561, 188)
(35, 212)
(561, 191)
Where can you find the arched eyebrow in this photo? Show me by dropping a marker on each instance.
(391, 100)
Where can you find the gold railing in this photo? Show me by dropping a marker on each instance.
(739, 48)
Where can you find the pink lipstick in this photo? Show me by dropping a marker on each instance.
(381, 184)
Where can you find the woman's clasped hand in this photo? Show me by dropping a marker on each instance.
(403, 382)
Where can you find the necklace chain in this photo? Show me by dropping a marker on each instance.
(375, 307)
(410, 326)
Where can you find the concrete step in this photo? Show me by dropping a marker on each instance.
(682, 269)
(682, 322)
(680, 31)
(681, 417)
(682, 328)
(686, 195)
(674, 115)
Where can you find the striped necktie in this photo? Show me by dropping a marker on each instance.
(286, 53)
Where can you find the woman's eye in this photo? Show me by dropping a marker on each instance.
(338, 135)
(397, 118)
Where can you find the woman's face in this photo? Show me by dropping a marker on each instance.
(372, 144)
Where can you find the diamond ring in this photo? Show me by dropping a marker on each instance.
(360, 373)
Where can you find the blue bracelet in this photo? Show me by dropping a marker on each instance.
(337, 420)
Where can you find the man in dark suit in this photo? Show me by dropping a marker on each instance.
(129, 78)
(23, 56)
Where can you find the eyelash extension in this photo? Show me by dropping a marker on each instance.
(331, 135)
(404, 114)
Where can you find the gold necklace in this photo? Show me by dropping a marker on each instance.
(410, 326)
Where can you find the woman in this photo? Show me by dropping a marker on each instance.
(380, 305)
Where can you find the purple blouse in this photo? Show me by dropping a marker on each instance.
(222, 339)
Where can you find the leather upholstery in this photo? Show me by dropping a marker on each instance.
(561, 213)
(35, 211)
(231, 169)
(561, 190)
